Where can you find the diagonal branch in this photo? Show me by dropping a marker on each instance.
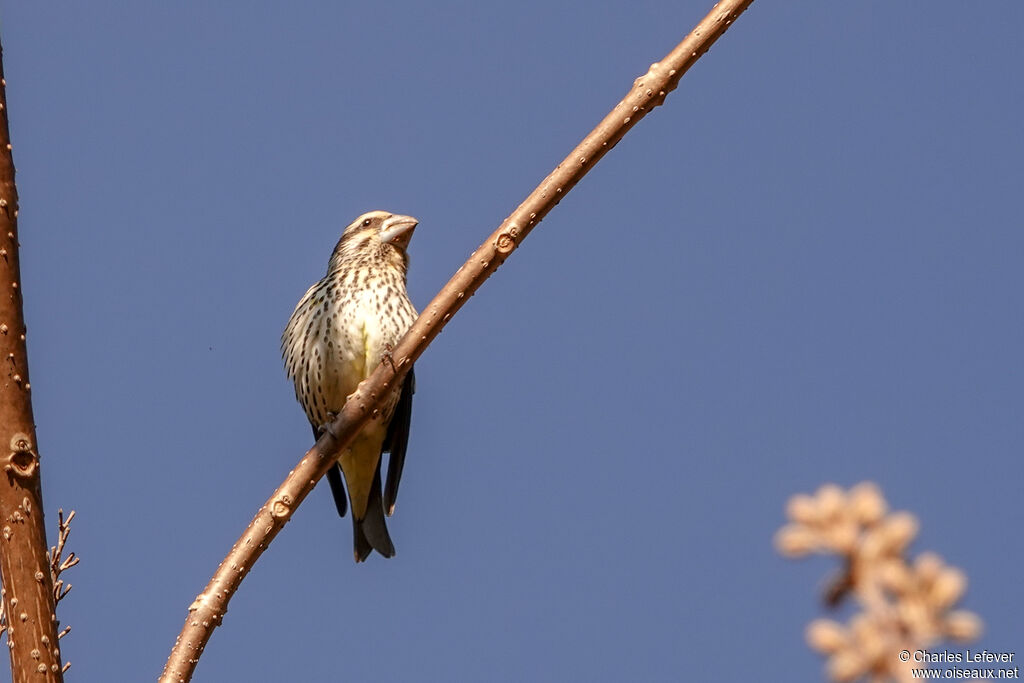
(648, 91)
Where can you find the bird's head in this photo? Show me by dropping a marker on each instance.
(376, 234)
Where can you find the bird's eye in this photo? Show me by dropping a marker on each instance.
(366, 223)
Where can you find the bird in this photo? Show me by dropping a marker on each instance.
(344, 326)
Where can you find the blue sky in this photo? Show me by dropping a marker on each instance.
(806, 267)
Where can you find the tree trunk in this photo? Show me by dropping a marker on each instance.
(28, 600)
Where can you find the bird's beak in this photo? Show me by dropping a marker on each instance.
(397, 230)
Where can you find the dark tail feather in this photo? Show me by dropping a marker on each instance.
(363, 547)
(371, 532)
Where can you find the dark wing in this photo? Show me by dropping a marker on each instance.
(334, 479)
(337, 489)
(397, 440)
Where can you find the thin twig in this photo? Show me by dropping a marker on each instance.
(648, 91)
(57, 563)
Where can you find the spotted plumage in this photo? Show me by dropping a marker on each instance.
(341, 330)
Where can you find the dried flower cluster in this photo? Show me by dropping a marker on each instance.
(906, 605)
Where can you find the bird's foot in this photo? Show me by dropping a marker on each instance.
(326, 428)
(388, 358)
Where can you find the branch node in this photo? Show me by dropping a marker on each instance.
(282, 507)
(506, 241)
(23, 460)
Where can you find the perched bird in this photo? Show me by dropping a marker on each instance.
(340, 331)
